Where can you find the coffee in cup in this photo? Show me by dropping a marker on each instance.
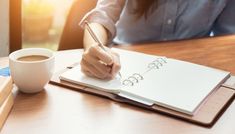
(32, 58)
(31, 68)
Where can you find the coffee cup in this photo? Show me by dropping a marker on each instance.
(31, 68)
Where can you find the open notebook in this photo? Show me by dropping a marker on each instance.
(149, 79)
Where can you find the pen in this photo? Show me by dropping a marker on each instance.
(100, 44)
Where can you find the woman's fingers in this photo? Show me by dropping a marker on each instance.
(88, 73)
(103, 64)
(102, 55)
(96, 63)
(87, 67)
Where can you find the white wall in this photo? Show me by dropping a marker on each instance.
(4, 27)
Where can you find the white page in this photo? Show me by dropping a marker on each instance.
(179, 85)
(136, 62)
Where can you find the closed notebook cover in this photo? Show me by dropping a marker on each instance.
(149, 79)
(6, 86)
(5, 109)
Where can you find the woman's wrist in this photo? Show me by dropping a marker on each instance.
(100, 32)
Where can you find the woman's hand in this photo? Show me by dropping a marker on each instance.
(99, 63)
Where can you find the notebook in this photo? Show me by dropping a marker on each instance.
(5, 109)
(149, 79)
(6, 86)
(6, 97)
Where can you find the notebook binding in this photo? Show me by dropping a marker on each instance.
(137, 77)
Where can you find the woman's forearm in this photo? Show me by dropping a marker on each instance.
(100, 32)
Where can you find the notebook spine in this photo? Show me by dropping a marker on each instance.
(137, 77)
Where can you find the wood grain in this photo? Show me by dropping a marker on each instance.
(59, 110)
(216, 52)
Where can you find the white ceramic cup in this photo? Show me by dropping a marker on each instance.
(31, 76)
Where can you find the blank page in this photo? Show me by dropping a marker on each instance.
(179, 85)
(132, 62)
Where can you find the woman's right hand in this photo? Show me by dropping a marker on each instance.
(99, 63)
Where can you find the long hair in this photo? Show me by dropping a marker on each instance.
(144, 7)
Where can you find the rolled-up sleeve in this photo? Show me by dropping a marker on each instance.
(106, 13)
(225, 23)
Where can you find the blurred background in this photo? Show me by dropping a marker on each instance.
(43, 21)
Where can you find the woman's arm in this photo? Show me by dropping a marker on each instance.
(95, 61)
(101, 33)
(104, 16)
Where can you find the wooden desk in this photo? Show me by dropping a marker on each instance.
(59, 110)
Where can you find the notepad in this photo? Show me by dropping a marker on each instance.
(149, 79)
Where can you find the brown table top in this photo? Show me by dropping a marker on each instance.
(60, 110)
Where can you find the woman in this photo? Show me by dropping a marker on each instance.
(137, 21)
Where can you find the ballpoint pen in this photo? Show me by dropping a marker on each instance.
(100, 44)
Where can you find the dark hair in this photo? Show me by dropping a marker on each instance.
(144, 7)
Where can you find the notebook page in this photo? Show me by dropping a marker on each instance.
(178, 85)
(131, 62)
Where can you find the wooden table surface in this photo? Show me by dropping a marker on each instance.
(58, 110)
